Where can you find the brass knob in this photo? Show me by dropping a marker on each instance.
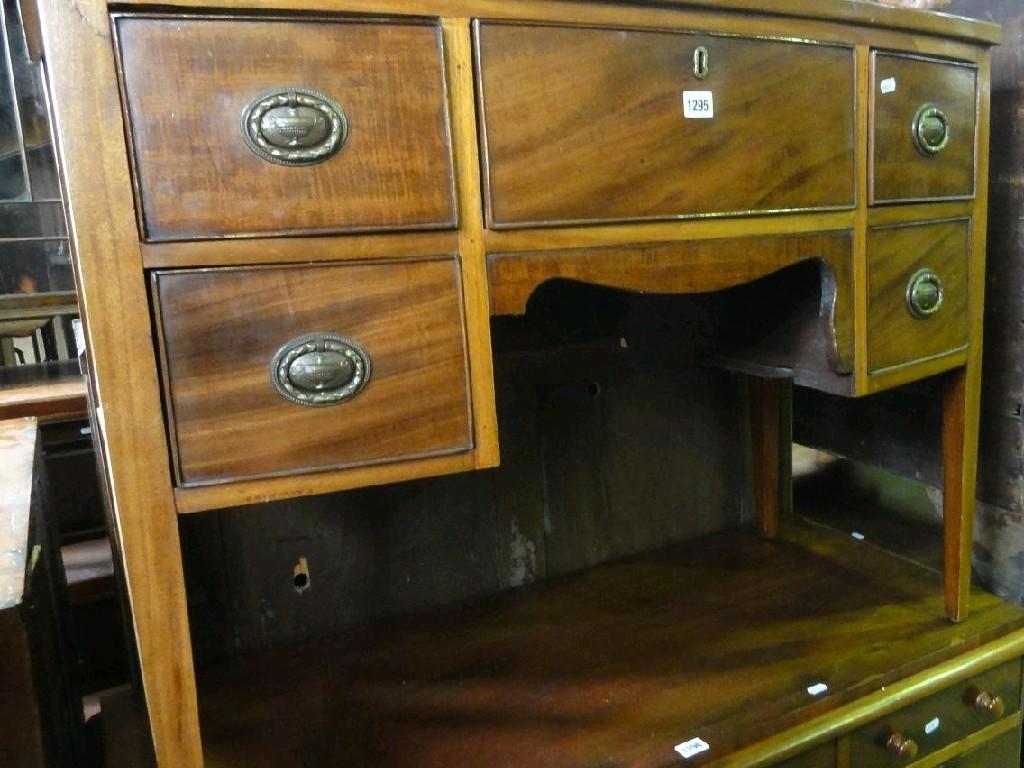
(901, 746)
(988, 703)
(931, 130)
(294, 126)
(924, 294)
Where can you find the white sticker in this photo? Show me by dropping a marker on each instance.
(888, 85)
(817, 689)
(692, 747)
(932, 726)
(79, 332)
(699, 104)
(858, 535)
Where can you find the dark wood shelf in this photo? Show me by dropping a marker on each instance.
(718, 638)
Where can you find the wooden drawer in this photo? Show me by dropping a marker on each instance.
(188, 80)
(585, 124)
(939, 720)
(917, 253)
(1001, 752)
(225, 334)
(821, 757)
(936, 99)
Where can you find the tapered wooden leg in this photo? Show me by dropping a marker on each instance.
(124, 387)
(960, 415)
(771, 443)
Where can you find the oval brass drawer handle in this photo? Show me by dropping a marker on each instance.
(924, 294)
(294, 126)
(931, 130)
(901, 747)
(320, 369)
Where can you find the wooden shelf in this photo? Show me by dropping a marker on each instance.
(718, 638)
(52, 399)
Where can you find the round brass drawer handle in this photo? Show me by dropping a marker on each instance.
(924, 294)
(294, 126)
(989, 704)
(901, 747)
(931, 130)
(320, 369)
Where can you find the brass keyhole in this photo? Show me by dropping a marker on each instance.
(701, 62)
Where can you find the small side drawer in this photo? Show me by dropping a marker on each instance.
(217, 109)
(940, 719)
(249, 396)
(923, 126)
(918, 283)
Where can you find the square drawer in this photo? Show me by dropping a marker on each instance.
(209, 99)
(923, 129)
(251, 394)
(940, 719)
(910, 268)
(590, 124)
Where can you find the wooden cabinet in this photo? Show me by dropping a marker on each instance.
(191, 83)
(587, 125)
(923, 128)
(277, 370)
(701, 147)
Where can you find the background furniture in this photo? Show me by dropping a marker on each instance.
(38, 695)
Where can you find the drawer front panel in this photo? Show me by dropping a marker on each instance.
(221, 329)
(939, 720)
(822, 757)
(900, 330)
(588, 125)
(1001, 751)
(923, 126)
(188, 81)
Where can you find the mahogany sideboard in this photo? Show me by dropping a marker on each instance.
(292, 221)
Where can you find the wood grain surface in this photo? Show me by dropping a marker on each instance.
(221, 328)
(898, 170)
(614, 666)
(126, 414)
(882, 22)
(895, 337)
(585, 124)
(694, 267)
(187, 80)
(51, 400)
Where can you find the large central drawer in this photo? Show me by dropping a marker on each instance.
(588, 124)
